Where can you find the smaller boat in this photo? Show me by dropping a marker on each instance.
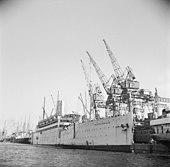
(161, 127)
(21, 137)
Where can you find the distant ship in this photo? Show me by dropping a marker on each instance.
(22, 134)
(21, 137)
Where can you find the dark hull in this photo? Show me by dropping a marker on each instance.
(116, 148)
(163, 138)
(21, 140)
(166, 143)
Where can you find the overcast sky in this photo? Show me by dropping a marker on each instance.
(42, 42)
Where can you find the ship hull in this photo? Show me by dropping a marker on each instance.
(162, 138)
(115, 148)
(21, 140)
(108, 134)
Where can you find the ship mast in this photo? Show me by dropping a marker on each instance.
(84, 105)
(91, 91)
(89, 85)
(57, 105)
(44, 113)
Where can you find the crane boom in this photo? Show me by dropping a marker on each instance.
(100, 74)
(85, 72)
(89, 85)
(117, 69)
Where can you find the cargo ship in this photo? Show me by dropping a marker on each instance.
(22, 134)
(115, 130)
(68, 131)
(21, 137)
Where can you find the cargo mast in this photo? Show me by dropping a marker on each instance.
(44, 113)
(90, 88)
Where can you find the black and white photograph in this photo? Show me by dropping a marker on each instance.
(84, 83)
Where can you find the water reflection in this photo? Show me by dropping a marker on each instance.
(20, 155)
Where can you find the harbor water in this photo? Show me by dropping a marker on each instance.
(22, 155)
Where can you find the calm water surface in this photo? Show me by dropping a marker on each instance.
(20, 155)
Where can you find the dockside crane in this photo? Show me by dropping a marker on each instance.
(117, 69)
(113, 94)
(125, 88)
(126, 82)
(96, 97)
(111, 89)
(128, 86)
(101, 76)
